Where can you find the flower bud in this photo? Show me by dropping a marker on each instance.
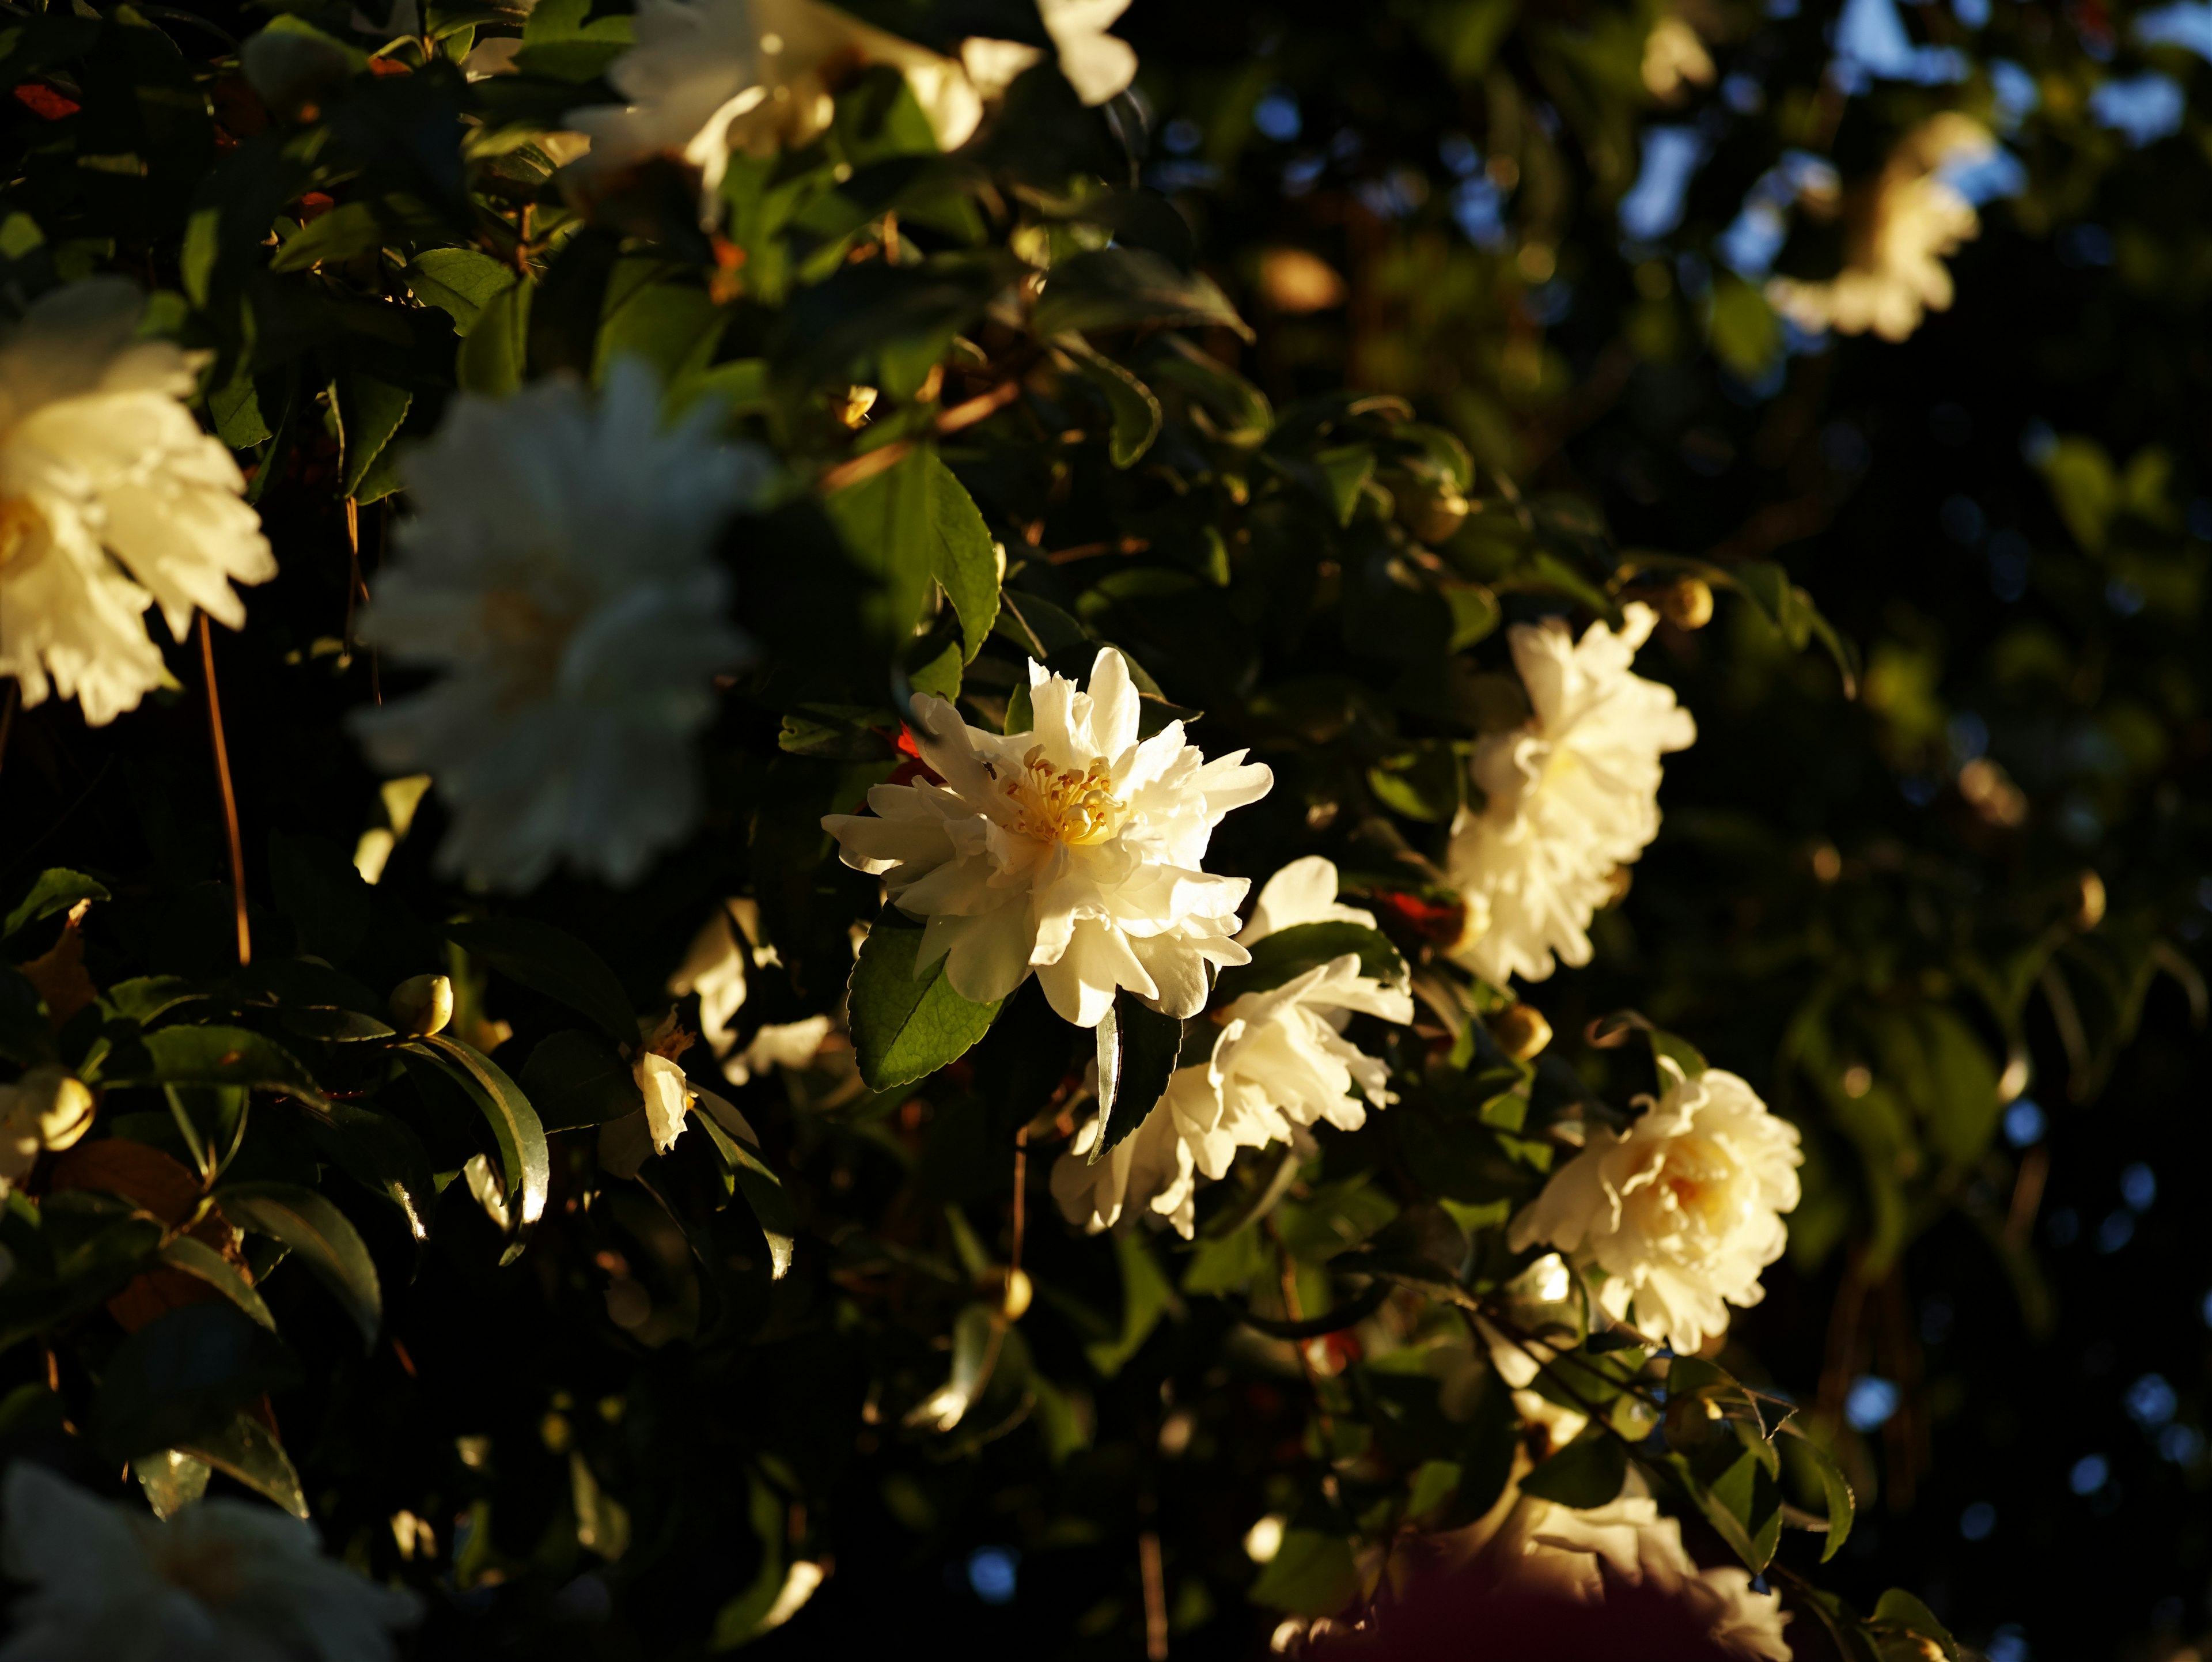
(1688, 602)
(53, 1104)
(1009, 1288)
(1522, 1032)
(2090, 905)
(1432, 509)
(422, 1004)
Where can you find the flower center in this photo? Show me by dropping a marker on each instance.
(529, 639)
(1060, 805)
(22, 532)
(209, 1570)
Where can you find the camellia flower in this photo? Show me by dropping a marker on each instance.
(1572, 794)
(1675, 56)
(559, 570)
(1681, 1211)
(669, 1093)
(47, 1108)
(222, 1578)
(1072, 851)
(1099, 65)
(101, 462)
(708, 77)
(1281, 1063)
(1894, 275)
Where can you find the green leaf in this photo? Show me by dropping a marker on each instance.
(573, 39)
(1289, 953)
(144, 997)
(1485, 1460)
(965, 560)
(1586, 1474)
(319, 890)
(170, 1480)
(55, 890)
(183, 1377)
(905, 1026)
(196, 1258)
(215, 1055)
(576, 1079)
(1843, 1505)
(1146, 1296)
(1137, 1050)
(1745, 334)
(459, 282)
(1898, 1608)
(1422, 783)
(526, 1162)
(370, 412)
(889, 524)
(770, 1202)
(382, 1155)
(349, 230)
(1312, 1574)
(1135, 410)
(248, 1450)
(555, 962)
(1127, 287)
(323, 1237)
(740, 1620)
(495, 345)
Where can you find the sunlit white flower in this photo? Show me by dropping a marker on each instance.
(1893, 274)
(626, 1143)
(1575, 1554)
(709, 77)
(1674, 56)
(1282, 1062)
(101, 462)
(1072, 850)
(1681, 1211)
(222, 1580)
(1099, 65)
(1572, 794)
(47, 1108)
(714, 968)
(559, 571)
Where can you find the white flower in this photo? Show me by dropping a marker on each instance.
(1553, 1550)
(559, 568)
(1681, 1211)
(47, 1108)
(625, 1143)
(1675, 56)
(708, 77)
(714, 968)
(1894, 275)
(1572, 794)
(99, 463)
(1072, 850)
(1280, 1062)
(1097, 64)
(222, 1581)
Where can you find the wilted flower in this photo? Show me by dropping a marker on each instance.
(709, 77)
(47, 1108)
(1072, 849)
(559, 570)
(1895, 274)
(1572, 794)
(1680, 1211)
(223, 1579)
(1280, 1062)
(1097, 64)
(99, 457)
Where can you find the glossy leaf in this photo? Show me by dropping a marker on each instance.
(1138, 1049)
(907, 1026)
(526, 1162)
(323, 1237)
(553, 962)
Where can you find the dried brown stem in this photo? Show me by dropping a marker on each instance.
(229, 796)
(1156, 1596)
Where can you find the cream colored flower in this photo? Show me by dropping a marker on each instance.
(1674, 56)
(559, 570)
(626, 1143)
(1681, 1211)
(1097, 64)
(1072, 850)
(48, 1108)
(1572, 794)
(1895, 274)
(222, 1579)
(101, 463)
(1552, 1550)
(714, 968)
(1281, 1063)
(709, 77)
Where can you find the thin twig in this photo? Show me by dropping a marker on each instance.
(355, 589)
(229, 796)
(1085, 551)
(1020, 1196)
(1156, 1597)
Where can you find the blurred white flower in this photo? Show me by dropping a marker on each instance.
(1072, 850)
(1097, 64)
(1681, 1211)
(1280, 1062)
(1894, 275)
(222, 1580)
(709, 77)
(1543, 1548)
(1675, 56)
(47, 1108)
(714, 968)
(101, 462)
(1572, 794)
(559, 568)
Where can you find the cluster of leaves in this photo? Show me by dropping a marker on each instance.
(1021, 414)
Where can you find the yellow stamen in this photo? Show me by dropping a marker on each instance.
(21, 527)
(1061, 805)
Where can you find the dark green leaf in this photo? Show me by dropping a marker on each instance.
(1586, 1474)
(1843, 1505)
(497, 344)
(249, 1451)
(319, 890)
(526, 1163)
(1289, 953)
(1137, 1048)
(459, 282)
(196, 1258)
(1128, 288)
(323, 1237)
(213, 1055)
(1312, 1574)
(381, 1154)
(55, 890)
(1899, 1608)
(576, 1079)
(905, 1026)
(964, 561)
(370, 411)
(183, 1377)
(555, 962)
(1135, 410)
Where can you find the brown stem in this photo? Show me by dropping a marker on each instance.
(1021, 1196)
(891, 240)
(229, 796)
(355, 589)
(1156, 1597)
(2027, 1196)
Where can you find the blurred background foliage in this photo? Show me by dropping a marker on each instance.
(1948, 925)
